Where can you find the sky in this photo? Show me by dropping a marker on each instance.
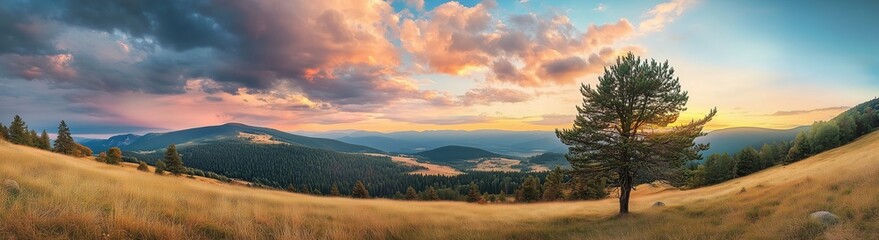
(109, 67)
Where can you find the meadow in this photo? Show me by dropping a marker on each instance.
(64, 197)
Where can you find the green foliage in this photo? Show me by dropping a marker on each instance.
(473, 194)
(431, 194)
(451, 154)
(142, 166)
(114, 156)
(586, 188)
(748, 161)
(44, 142)
(529, 191)
(160, 167)
(4, 132)
(173, 161)
(64, 143)
(18, 132)
(411, 194)
(334, 191)
(102, 157)
(552, 186)
(614, 134)
(825, 136)
(719, 168)
(359, 191)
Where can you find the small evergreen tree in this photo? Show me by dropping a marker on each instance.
(64, 143)
(411, 194)
(142, 166)
(18, 133)
(552, 187)
(33, 139)
(360, 190)
(114, 156)
(291, 188)
(160, 167)
(529, 191)
(174, 164)
(502, 197)
(4, 132)
(473, 195)
(334, 191)
(431, 194)
(719, 168)
(45, 142)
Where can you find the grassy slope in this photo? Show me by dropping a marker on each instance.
(66, 197)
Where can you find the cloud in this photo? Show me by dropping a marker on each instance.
(662, 14)
(599, 8)
(802, 112)
(485, 96)
(442, 120)
(553, 119)
(417, 4)
(530, 51)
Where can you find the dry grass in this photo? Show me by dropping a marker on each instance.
(70, 198)
(430, 168)
(496, 165)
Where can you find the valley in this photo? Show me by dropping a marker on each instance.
(59, 198)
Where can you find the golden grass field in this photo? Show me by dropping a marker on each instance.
(77, 198)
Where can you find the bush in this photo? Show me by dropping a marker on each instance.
(142, 166)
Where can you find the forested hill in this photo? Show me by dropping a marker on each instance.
(732, 140)
(451, 154)
(154, 141)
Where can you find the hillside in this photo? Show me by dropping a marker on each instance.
(65, 197)
(228, 131)
(455, 154)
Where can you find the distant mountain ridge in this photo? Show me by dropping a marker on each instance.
(153, 141)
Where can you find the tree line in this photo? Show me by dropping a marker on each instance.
(821, 136)
(17, 132)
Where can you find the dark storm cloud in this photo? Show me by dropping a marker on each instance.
(311, 47)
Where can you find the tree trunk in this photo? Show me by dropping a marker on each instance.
(625, 191)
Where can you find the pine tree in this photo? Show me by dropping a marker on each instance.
(142, 166)
(502, 197)
(334, 191)
(291, 188)
(160, 167)
(4, 132)
(64, 143)
(33, 139)
(174, 164)
(552, 187)
(114, 156)
(18, 133)
(431, 194)
(45, 142)
(621, 127)
(360, 190)
(473, 195)
(411, 194)
(529, 191)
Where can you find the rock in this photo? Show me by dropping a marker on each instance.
(824, 217)
(11, 186)
(659, 204)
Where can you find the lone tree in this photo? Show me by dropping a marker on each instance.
(64, 143)
(621, 131)
(360, 190)
(18, 133)
(173, 162)
(160, 167)
(114, 156)
(142, 166)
